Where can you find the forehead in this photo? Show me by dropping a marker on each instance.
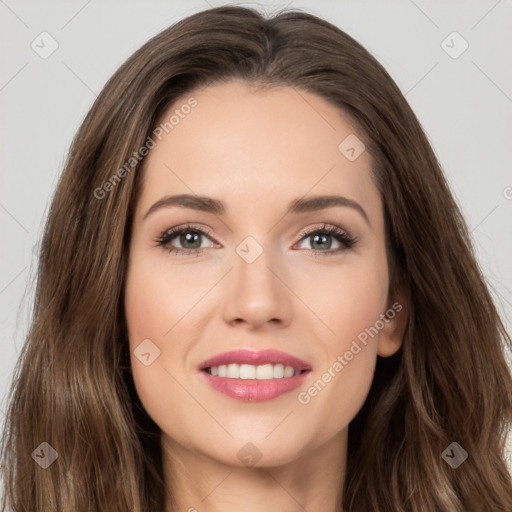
(257, 146)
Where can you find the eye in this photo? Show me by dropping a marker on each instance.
(322, 239)
(190, 237)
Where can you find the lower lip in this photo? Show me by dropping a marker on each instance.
(254, 390)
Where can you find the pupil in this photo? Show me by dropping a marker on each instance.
(190, 238)
(323, 238)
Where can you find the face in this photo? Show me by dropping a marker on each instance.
(257, 276)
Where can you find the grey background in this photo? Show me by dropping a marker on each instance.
(463, 103)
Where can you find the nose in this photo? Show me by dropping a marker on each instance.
(257, 295)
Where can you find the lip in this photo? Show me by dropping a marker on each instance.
(255, 357)
(255, 390)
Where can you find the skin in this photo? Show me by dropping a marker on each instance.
(257, 151)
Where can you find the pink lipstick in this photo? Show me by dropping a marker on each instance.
(254, 376)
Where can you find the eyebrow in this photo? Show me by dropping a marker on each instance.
(217, 207)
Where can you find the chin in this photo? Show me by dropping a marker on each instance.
(260, 452)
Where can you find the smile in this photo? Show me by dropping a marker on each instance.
(254, 376)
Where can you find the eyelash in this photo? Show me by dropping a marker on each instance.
(346, 240)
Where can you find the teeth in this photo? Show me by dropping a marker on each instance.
(288, 371)
(278, 371)
(264, 371)
(249, 371)
(233, 371)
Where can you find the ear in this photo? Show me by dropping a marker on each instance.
(395, 320)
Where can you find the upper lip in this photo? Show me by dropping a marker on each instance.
(255, 357)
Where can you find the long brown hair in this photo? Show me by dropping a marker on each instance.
(73, 387)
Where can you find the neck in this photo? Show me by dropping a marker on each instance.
(313, 480)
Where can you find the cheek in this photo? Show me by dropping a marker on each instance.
(337, 393)
(350, 302)
(151, 300)
(348, 298)
(153, 306)
(360, 300)
(160, 302)
(164, 304)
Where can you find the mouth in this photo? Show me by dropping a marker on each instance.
(254, 364)
(254, 376)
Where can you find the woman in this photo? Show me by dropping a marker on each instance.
(199, 343)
